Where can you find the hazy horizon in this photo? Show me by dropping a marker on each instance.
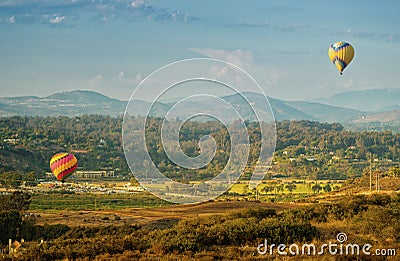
(180, 97)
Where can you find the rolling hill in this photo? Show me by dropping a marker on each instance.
(62, 104)
(355, 106)
(326, 113)
(373, 100)
(387, 116)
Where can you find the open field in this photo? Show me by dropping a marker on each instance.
(149, 215)
(93, 201)
(269, 190)
(143, 208)
(91, 209)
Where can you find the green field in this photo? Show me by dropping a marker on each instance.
(278, 188)
(93, 201)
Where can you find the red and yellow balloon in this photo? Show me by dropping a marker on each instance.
(63, 165)
(341, 54)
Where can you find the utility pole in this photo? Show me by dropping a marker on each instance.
(378, 181)
(370, 171)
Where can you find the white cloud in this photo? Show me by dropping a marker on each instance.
(267, 76)
(353, 84)
(251, 25)
(9, 3)
(121, 76)
(239, 58)
(139, 77)
(137, 3)
(273, 76)
(124, 78)
(348, 84)
(96, 80)
(220, 72)
(57, 19)
(102, 10)
(381, 36)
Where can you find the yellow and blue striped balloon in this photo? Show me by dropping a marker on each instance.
(341, 54)
(63, 165)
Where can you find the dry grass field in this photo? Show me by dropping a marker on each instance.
(150, 215)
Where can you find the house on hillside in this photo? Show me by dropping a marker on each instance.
(17, 247)
(311, 158)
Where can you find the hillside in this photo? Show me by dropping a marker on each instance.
(387, 116)
(326, 113)
(280, 110)
(359, 107)
(62, 104)
(373, 100)
(27, 144)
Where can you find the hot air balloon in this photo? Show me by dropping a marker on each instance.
(63, 165)
(341, 54)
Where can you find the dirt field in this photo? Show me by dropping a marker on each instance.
(149, 215)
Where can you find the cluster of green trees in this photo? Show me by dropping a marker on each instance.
(17, 224)
(303, 148)
(11, 208)
(275, 188)
(28, 143)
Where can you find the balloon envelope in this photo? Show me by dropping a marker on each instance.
(341, 54)
(63, 165)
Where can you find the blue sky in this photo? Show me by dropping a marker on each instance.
(110, 46)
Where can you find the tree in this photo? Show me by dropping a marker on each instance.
(11, 179)
(394, 172)
(18, 201)
(327, 187)
(245, 189)
(11, 207)
(10, 222)
(30, 176)
(291, 187)
(316, 188)
(280, 187)
(267, 189)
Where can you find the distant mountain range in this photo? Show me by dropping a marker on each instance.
(373, 100)
(377, 105)
(65, 103)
